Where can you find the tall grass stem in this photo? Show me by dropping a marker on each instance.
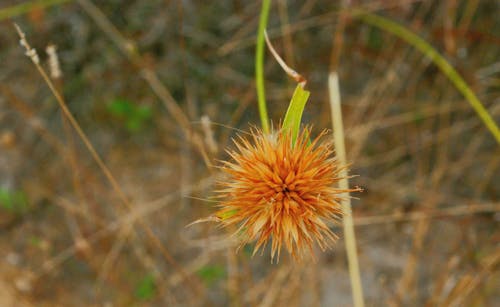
(350, 238)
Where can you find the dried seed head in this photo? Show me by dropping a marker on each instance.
(55, 68)
(281, 191)
(30, 52)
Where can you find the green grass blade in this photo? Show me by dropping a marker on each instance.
(23, 8)
(445, 67)
(259, 65)
(293, 115)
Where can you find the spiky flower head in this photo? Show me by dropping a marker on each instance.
(281, 190)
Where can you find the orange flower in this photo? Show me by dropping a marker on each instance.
(281, 190)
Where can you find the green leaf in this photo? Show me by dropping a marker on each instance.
(121, 107)
(13, 201)
(293, 115)
(211, 273)
(133, 116)
(146, 288)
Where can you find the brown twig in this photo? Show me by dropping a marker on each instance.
(427, 215)
(289, 71)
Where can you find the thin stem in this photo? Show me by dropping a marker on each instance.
(448, 70)
(22, 8)
(259, 65)
(289, 71)
(350, 238)
(454, 211)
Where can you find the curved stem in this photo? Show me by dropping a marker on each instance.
(445, 67)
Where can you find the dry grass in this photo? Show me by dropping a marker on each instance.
(144, 80)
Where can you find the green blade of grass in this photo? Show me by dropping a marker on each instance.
(294, 112)
(445, 67)
(23, 8)
(259, 65)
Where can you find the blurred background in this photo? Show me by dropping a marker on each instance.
(160, 87)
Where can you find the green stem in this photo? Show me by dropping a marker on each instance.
(259, 65)
(19, 9)
(448, 70)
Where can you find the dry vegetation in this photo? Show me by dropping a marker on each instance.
(160, 87)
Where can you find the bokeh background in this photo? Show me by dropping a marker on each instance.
(160, 87)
